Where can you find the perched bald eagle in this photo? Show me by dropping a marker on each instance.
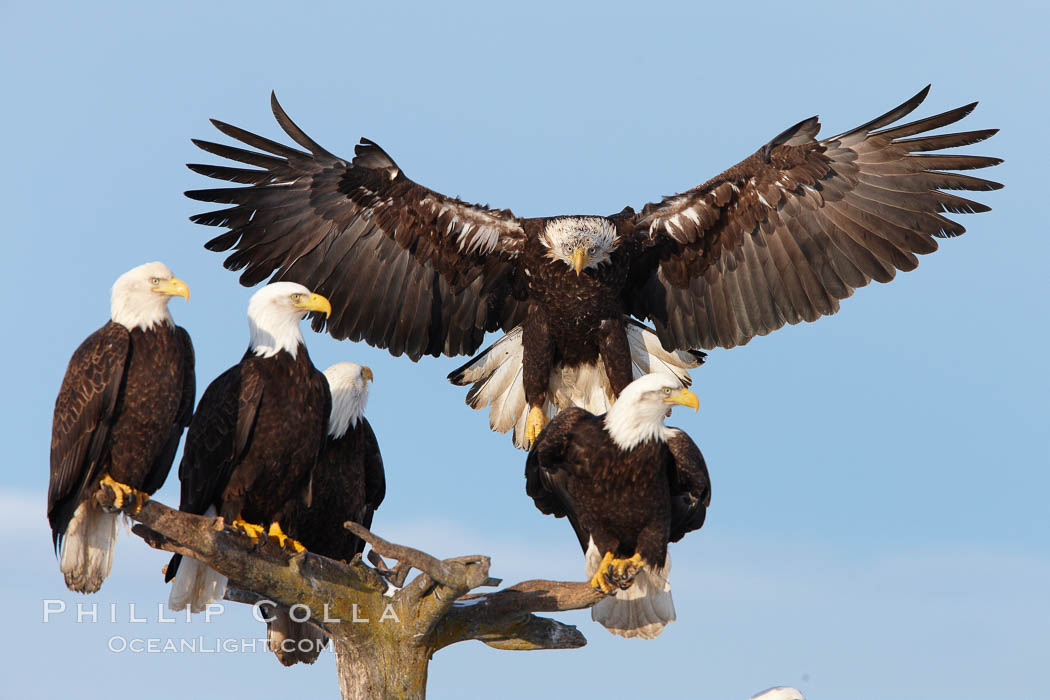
(628, 485)
(124, 402)
(255, 436)
(779, 238)
(348, 483)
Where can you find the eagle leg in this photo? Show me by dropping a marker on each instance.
(621, 571)
(277, 535)
(600, 580)
(535, 424)
(253, 531)
(122, 492)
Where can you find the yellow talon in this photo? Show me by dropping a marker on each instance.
(535, 424)
(622, 567)
(253, 531)
(621, 571)
(599, 579)
(122, 492)
(275, 533)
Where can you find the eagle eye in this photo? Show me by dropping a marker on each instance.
(154, 280)
(296, 297)
(667, 391)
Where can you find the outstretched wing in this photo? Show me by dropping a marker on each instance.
(83, 415)
(784, 235)
(690, 485)
(404, 267)
(549, 467)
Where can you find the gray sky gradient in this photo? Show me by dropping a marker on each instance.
(879, 524)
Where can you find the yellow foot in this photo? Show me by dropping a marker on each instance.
(122, 492)
(253, 531)
(535, 424)
(599, 579)
(277, 535)
(621, 571)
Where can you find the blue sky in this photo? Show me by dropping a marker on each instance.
(879, 524)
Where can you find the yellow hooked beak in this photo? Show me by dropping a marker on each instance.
(685, 398)
(315, 302)
(579, 260)
(174, 288)
(367, 374)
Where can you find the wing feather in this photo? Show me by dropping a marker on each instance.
(786, 234)
(690, 485)
(84, 411)
(364, 235)
(549, 470)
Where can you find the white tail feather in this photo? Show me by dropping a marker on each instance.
(498, 382)
(293, 642)
(643, 610)
(86, 556)
(196, 584)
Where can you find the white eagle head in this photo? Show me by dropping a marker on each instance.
(140, 296)
(639, 412)
(580, 241)
(348, 382)
(274, 313)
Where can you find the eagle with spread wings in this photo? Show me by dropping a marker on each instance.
(779, 238)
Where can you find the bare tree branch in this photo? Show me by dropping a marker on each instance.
(432, 611)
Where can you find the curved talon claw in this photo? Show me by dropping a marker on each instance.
(621, 572)
(122, 492)
(600, 580)
(253, 531)
(535, 424)
(284, 541)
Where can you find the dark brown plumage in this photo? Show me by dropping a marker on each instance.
(125, 399)
(626, 500)
(347, 483)
(254, 438)
(628, 486)
(124, 402)
(256, 434)
(779, 238)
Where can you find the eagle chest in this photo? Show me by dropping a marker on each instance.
(632, 479)
(149, 403)
(574, 304)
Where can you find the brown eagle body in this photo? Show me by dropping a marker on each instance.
(624, 501)
(629, 486)
(124, 402)
(256, 434)
(348, 483)
(572, 318)
(125, 399)
(779, 238)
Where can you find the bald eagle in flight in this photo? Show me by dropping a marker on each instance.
(347, 483)
(779, 238)
(124, 402)
(255, 436)
(628, 485)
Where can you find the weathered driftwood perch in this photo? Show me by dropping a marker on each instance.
(383, 637)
